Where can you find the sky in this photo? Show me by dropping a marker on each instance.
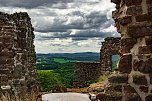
(66, 26)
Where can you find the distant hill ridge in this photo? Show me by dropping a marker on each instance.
(82, 56)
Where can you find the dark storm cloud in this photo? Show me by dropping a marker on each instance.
(66, 25)
(93, 19)
(86, 24)
(79, 35)
(31, 3)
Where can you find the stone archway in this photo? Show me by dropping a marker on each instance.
(110, 47)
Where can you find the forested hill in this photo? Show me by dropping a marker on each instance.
(58, 68)
(86, 56)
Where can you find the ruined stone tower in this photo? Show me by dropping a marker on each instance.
(110, 46)
(17, 58)
(133, 82)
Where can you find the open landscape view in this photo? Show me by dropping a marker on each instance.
(75, 50)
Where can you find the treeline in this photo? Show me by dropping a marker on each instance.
(58, 69)
(61, 76)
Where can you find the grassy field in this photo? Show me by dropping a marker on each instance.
(61, 76)
(58, 69)
(61, 60)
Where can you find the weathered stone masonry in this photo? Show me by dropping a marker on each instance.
(110, 46)
(133, 82)
(86, 71)
(17, 58)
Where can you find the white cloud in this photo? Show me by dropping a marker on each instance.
(66, 25)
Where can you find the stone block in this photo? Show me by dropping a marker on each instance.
(150, 78)
(10, 61)
(118, 88)
(136, 31)
(138, 78)
(144, 17)
(133, 2)
(114, 88)
(128, 42)
(118, 79)
(22, 33)
(18, 71)
(129, 89)
(147, 66)
(8, 54)
(21, 43)
(125, 64)
(9, 46)
(144, 89)
(132, 97)
(125, 50)
(143, 66)
(4, 71)
(116, 1)
(148, 98)
(113, 98)
(145, 49)
(3, 60)
(2, 46)
(1, 39)
(3, 79)
(134, 10)
(148, 40)
(148, 1)
(125, 20)
(149, 8)
(8, 39)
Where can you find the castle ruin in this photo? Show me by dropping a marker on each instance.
(133, 82)
(17, 58)
(86, 71)
(110, 46)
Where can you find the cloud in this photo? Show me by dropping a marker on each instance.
(31, 3)
(66, 23)
(68, 45)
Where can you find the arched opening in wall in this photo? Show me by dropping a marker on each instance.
(114, 60)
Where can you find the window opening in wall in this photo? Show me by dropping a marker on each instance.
(114, 59)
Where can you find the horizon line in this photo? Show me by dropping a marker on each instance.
(67, 52)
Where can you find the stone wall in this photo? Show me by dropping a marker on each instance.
(133, 82)
(17, 58)
(86, 71)
(110, 46)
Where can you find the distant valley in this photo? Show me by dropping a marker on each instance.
(58, 68)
